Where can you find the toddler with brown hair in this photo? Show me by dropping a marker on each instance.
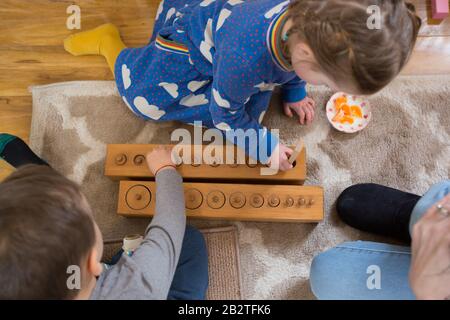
(218, 61)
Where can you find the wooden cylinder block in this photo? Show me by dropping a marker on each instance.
(283, 203)
(127, 161)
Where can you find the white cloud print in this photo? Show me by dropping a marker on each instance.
(219, 100)
(147, 109)
(126, 76)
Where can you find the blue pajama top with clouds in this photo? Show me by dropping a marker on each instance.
(213, 61)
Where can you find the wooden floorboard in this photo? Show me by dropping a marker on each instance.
(31, 52)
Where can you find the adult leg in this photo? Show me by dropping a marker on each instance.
(191, 276)
(377, 209)
(362, 271)
(430, 198)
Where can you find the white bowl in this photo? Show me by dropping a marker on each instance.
(359, 123)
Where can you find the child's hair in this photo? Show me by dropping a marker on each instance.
(45, 227)
(346, 48)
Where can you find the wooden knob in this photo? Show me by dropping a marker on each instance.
(193, 198)
(256, 200)
(237, 200)
(301, 201)
(138, 197)
(274, 201)
(121, 159)
(289, 201)
(139, 159)
(311, 201)
(215, 199)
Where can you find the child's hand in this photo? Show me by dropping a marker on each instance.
(304, 109)
(280, 158)
(160, 158)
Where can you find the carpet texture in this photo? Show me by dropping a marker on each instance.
(406, 146)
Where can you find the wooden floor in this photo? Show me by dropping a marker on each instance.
(31, 51)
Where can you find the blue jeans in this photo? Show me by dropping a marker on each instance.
(368, 270)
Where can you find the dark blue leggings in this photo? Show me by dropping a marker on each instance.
(191, 276)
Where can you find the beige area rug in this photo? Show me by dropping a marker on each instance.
(406, 146)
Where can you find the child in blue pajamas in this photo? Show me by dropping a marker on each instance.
(218, 61)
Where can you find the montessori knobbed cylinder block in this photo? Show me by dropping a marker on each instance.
(246, 202)
(197, 164)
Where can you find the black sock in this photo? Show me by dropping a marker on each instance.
(377, 209)
(16, 152)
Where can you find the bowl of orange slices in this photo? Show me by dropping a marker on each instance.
(348, 113)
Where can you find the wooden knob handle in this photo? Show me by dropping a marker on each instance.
(257, 200)
(301, 201)
(139, 160)
(289, 202)
(237, 200)
(121, 159)
(274, 201)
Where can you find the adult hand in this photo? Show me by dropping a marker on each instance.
(430, 269)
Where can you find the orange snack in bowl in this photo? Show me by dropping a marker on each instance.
(346, 109)
(338, 116)
(341, 117)
(339, 102)
(356, 111)
(347, 119)
(346, 113)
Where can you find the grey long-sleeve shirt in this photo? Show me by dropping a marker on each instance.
(148, 273)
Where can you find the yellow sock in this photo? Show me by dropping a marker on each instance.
(104, 40)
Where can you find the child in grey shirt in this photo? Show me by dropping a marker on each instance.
(152, 272)
(51, 247)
